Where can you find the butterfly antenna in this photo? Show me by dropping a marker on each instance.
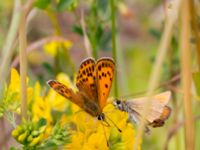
(105, 134)
(107, 124)
(114, 124)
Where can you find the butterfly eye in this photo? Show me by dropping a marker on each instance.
(118, 102)
(101, 117)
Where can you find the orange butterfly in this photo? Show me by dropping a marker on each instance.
(159, 111)
(94, 80)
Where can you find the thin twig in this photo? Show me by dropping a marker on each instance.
(166, 84)
(37, 44)
(174, 128)
(86, 39)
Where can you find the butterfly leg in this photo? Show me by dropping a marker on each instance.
(108, 145)
(147, 130)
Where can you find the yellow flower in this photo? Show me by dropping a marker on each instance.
(128, 136)
(78, 144)
(93, 136)
(12, 97)
(96, 141)
(14, 81)
(85, 123)
(41, 109)
(51, 48)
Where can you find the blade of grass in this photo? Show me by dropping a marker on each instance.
(36, 46)
(7, 50)
(155, 75)
(114, 49)
(186, 73)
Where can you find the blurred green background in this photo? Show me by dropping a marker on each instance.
(139, 26)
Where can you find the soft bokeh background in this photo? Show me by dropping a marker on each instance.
(56, 44)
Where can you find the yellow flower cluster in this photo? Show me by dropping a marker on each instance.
(12, 93)
(87, 133)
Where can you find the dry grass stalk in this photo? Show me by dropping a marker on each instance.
(23, 65)
(155, 75)
(186, 73)
(25, 9)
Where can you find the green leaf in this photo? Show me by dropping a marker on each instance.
(64, 4)
(13, 148)
(42, 122)
(56, 115)
(196, 78)
(155, 33)
(103, 5)
(99, 33)
(48, 67)
(42, 4)
(77, 29)
(105, 40)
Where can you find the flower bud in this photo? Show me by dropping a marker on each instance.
(22, 137)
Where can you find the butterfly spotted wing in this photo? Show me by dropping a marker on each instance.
(86, 79)
(66, 92)
(93, 82)
(105, 68)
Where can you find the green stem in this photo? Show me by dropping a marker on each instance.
(94, 50)
(114, 50)
(94, 29)
(54, 22)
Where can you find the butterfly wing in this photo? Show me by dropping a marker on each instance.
(86, 81)
(105, 68)
(66, 92)
(163, 98)
(161, 120)
(158, 112)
